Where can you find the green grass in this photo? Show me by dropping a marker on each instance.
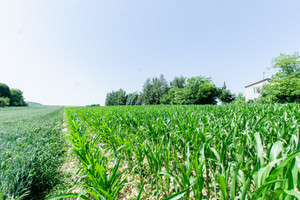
(188, 152)
(30, 146)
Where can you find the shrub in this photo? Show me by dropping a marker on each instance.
(4, 101)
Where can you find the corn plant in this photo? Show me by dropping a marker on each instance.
(189, 152)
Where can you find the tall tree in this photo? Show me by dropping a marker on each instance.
(226, 96)
(17, 98)
(116, 98)
(200, 90)
(4, 91)
(287, 65)
(174, 96)
(132, 99)
(154, 89)
(175, 93)
(178, 82)
(284, 86)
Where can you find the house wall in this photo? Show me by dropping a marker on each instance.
(250, 94)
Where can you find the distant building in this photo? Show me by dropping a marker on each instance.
(253, 90)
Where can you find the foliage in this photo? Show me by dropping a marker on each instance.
(17, 98)
(284, 86)
(94, 105)
(29, 150)
(116, 98)
(187, 151)
(282, 90)
(239, 99)
(4, 101)
(195, 90)
(133, 99)
(200, 90)
(178, 82)
(4, 90)
(287, 65)
(154, 89)
(175, 93)
(174, 96)
(12, 97)
(226, 96)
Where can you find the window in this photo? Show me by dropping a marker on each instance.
(256, 90)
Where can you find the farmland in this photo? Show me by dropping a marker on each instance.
(30, 146)
(188, 152)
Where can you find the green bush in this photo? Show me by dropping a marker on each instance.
(4, 101)
(4, 90)
(17, 98)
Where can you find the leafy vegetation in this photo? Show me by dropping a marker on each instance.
(11, 97)
(4, 101)
(17, 98)
(284, 86)
(30, 145)
(239, 99)
(4, 91)
(116, 98)
(154, 89)
(226, 96)
(187, 152)
(194, 90)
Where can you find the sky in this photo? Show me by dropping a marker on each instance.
(73, 52)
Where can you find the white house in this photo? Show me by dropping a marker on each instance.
(253, 90)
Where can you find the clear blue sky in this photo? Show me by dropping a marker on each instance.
(72, 52)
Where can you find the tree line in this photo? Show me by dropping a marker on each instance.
(181, 90)
(284, 87)
(11, 97)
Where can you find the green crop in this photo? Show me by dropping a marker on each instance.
(187, 152)
(30, 145)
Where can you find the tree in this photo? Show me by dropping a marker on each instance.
(287, 65)
(4, 101)
(200, 90)
(239, 99)
(178, 82)
(116, 98)
(132, 99)
(285, 90)
(154, 89)
(17, 98)
(174, 96)
(94, 105)
(284, 86)
(4, 90)
(226, 96)
(140, 99)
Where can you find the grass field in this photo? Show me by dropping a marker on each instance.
(187, 152)
(30, 146)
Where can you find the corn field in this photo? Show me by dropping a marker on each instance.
(186, 152)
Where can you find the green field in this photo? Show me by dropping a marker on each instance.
(30, 146)
(188, 152)
(152, 152)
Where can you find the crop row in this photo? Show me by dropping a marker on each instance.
(30, 145)
(189, 152)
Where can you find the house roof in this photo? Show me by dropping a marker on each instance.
(266, 79)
